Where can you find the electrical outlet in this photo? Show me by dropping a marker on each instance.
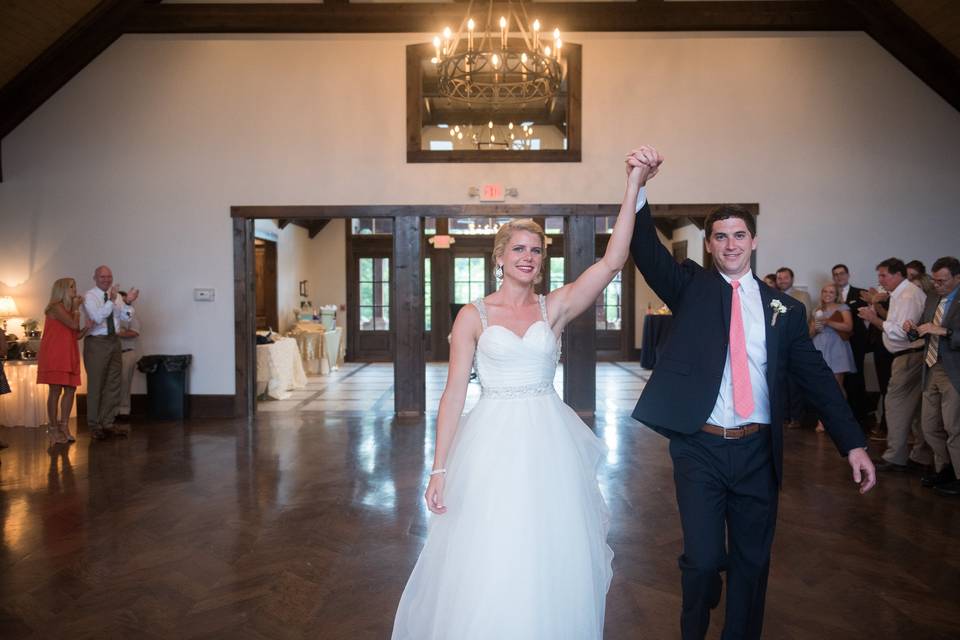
(204, 295)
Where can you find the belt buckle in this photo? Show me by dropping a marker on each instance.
(739, 430)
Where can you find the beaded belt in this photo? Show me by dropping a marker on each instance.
(522, 391)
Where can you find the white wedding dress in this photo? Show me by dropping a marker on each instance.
(521, 553)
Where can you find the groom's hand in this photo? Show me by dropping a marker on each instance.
(863, 472)
(642, 164)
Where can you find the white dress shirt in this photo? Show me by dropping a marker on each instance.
(906, 303)
(128, 344)
(755, 330)
(754, 326)
(98, 309)
(844, 292)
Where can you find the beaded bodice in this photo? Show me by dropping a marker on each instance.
(513, 366)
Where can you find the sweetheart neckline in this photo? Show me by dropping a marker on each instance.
(513, 333)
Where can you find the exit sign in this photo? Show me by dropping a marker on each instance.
(492, 193)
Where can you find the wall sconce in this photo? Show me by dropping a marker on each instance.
(8, 309)
(441, 242)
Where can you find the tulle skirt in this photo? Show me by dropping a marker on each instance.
(521, 552)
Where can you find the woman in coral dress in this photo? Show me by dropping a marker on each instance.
(58, 363)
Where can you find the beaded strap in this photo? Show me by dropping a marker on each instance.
(522, 391)
(542, 299)
(478, 303)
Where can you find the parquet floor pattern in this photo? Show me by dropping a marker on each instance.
(305, 524)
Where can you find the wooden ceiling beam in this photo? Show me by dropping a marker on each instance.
(697, 15)
(316, 226)
(65, 58)
(912, 45)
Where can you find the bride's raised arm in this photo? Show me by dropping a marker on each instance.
(463, 343)
(569, 301)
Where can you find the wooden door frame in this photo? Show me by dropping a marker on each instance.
(407, 278)
(270, 251)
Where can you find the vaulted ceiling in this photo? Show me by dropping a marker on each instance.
(45, 43)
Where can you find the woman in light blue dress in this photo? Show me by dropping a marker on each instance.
(830, 328)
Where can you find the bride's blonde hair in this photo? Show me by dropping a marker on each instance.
(506, 230)
(60, 294)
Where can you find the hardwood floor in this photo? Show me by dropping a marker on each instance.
(305, 523)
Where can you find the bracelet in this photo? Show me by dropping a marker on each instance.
(443, 471)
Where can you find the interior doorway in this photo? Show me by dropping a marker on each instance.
(265, 275)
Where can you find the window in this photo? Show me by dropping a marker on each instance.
(605, 224)
(374, 294)
(608, 306)
(554, 225)
(468, 279)
(441, 145)
(556, 273)
(370, 226)
(427, 294)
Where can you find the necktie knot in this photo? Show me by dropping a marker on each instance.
(735, 284)
(105, 297)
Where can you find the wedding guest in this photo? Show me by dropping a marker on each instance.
(902, 403)
(4, 385)
(770, 280)
(917, 274)
(940, 410)
(830, 328)
(58, 363)
(129, 332)
(101, 352)
(854, 383)
(879, 300)
(794, 396)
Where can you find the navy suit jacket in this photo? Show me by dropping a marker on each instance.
(683, 388)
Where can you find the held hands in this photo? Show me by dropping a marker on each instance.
(928, 328)
(434, 494)
(642, 165)
(863, 472)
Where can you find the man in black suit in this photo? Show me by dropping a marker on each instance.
(718, 394)
(854, 383)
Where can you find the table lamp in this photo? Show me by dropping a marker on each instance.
(8, 309)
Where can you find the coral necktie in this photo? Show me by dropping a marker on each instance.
(739, 369)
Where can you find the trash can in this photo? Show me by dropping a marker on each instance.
(166, 385)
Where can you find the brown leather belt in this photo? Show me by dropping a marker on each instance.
(734, 434)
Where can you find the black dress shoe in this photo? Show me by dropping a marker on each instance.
(948, 489)
(944, 476)
(883, 465)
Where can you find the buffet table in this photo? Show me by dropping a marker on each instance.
(279, 369)
(26, 404)
(320, 350)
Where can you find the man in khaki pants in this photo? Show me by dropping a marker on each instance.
(940, 325)
(101, 352)
(902, 404)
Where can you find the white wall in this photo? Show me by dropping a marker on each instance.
(138, 159)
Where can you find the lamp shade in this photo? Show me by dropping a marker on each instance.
(8, 308)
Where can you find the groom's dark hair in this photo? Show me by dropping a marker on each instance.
(727, 211)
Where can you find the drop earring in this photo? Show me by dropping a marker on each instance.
(499, 272)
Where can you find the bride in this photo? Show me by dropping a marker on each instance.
(517, 547)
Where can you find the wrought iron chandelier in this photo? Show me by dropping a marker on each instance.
(491, 69)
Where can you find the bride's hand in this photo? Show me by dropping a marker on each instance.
(434, 494)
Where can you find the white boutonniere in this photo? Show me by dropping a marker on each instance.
(778, 308)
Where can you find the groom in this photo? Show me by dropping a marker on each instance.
(718, 394)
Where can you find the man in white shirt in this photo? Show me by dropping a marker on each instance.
(102, 353)
(902, 404)
(129, 332)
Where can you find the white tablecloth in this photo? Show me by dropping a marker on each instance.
(279, 369)
(26, 404)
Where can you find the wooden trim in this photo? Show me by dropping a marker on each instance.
(416, 53)
(406, 317)
(198, 406)
(580, 336)
(912, 45)
(64, 59)
(244, 319)
(307, 212)
(334, 17)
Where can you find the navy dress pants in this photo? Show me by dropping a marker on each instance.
(727, 493)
